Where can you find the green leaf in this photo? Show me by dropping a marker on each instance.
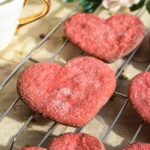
(87, 5)
(90, 5)
(137, 6)
(148, 6)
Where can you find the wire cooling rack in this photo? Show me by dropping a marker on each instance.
(57, 52)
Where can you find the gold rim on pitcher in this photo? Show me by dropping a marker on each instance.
(44, 11)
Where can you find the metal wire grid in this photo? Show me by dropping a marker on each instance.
(52, 128)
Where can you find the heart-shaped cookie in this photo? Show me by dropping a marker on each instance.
(80, 141)
(71, 141)
(108, 39)
(139, 95)
(71, 95)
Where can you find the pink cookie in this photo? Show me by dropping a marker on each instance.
(138, 146)
(78, 141)
(139, 95)
(71, 95)
(107, 40)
